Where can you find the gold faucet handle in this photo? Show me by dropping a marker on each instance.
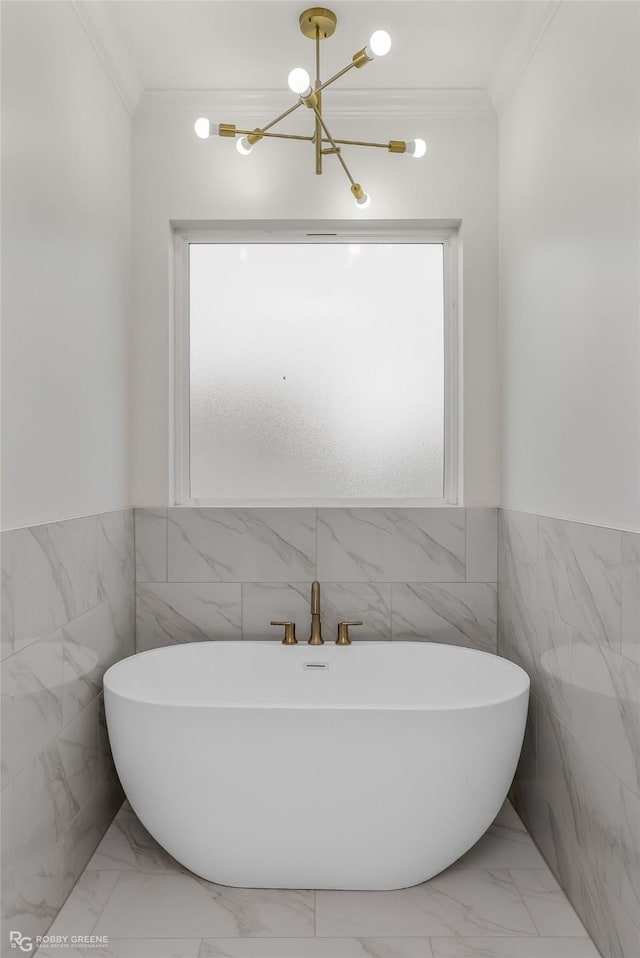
(289, 632)
(343, 632)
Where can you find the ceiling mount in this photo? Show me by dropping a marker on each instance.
(318, 22)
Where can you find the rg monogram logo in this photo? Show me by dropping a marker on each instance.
(20, 941)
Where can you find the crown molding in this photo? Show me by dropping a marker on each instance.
(529, 31)
(107, 42)
(227, 106)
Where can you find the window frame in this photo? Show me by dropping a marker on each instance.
(274, 232)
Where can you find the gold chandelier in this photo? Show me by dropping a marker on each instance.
(317, 24)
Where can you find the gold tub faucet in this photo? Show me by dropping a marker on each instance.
(316, 629)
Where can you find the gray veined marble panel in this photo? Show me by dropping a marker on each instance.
(367, 602)
(90, 647)
(8, 888)
(482, 545)
(55, 576)
(108, 781)
(629, 893)
(32, 696)
(462, 613)
(151, 545)
(264, 602)
(116, 573)
(541, 645)
(577, 819)
(78, 744)
(171, 612)
(631, 596)
(622, 931)
(44, 808)
(580, 577)
(241, 545)
(6, 601)
(391, 545)
(518, 552)
(605, 707)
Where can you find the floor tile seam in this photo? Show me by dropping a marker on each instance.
(107, 900)
(522, 899)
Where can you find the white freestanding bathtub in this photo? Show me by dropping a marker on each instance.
(371, 766)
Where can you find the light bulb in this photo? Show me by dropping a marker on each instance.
(379, 43)
(416, 148)
(299, 81)
(204, 129)
(364, 202)
(243, 146)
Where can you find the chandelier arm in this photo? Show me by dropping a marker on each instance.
(333, 144)
(382, 146)
(282, 116)
(281, 136)
(336, 76)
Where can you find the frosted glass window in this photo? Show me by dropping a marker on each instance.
(316, 371)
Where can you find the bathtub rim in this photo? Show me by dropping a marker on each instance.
(522, 685)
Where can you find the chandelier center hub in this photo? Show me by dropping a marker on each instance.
(318, 21)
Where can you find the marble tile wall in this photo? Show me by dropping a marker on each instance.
(68, 613)
(226, 573)
(569, 613)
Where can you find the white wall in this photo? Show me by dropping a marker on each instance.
(65, 271)
(569, 267)
(178, 177)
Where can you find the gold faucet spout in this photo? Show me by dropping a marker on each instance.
(315, 598)
(316, 628)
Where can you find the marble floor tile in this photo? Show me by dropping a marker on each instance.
(84, 905)
(315, 948)
(546, 903)
(181, 905)
(130, 948)
(127, 846)
(513, 948)
(504, 846)
(462, 901)
(507, 817)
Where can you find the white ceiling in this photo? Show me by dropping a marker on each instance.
(252, 44)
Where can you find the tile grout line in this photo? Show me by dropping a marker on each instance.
(108, 899)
